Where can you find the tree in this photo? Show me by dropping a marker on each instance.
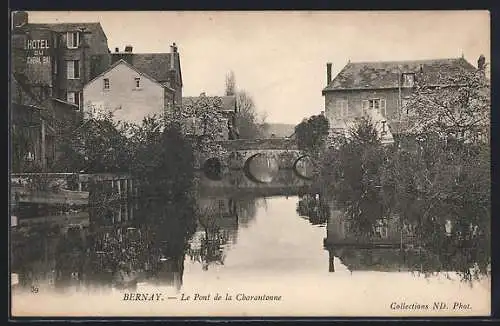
(312, 133)
(250, 125)
(230, 84)
(351, 173)
(460, 108)
(96, 146)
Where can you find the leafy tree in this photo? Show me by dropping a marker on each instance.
(459, 108)
(312, 133)
(96, 146)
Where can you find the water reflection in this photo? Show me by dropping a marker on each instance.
(226, 235)
(393, 245)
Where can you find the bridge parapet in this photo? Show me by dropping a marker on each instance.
(260, 144)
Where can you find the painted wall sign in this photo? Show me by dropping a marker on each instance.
(37, 51)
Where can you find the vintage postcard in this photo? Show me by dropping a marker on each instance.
(218, 164)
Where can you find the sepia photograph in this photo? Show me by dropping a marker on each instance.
(250, 164)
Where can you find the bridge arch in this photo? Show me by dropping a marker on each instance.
(303, 167)
(261, 168)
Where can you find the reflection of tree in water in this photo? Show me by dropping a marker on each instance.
(207, 244)
(312, 207)
(150, 247)
(218, 221)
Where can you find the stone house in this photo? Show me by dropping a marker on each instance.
(50, 65)
(58, 59)
(381, 90)
(128, 93)
(136, 85)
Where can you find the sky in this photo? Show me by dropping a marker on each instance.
(279, 58)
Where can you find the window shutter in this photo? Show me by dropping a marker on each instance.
(365, 104)
(77, 68)
(70, 68)
(382, 107)
(70, 97)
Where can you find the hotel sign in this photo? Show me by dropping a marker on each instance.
(37, 51)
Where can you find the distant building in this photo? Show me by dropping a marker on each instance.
(228, 109)
(381, 90)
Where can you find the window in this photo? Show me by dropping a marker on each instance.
(75, 98)
(137, 82)
(72, 40)
(408, 79)
(342, 108)
(73, 69)
(384, 127)
(106, 83)
(377, 104)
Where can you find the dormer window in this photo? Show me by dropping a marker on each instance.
(72, 40)
(408, 79)
(137, 82)
(106, 83)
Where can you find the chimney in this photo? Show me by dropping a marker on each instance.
(117, 50)
(19, 18)
(128, 49)
(328, 73)
(173, 51)
(481, 62)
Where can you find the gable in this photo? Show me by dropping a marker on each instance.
(155, 65)
(120, 66)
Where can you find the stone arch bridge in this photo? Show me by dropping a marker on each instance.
(257, 163)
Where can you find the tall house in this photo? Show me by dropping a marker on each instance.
(50, 63)
(136, 85)
(164, 68)
(381, 89)
(56, 60)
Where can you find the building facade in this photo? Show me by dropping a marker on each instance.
(50, 63)
(128, 93)
(381, 90)
(57, 60)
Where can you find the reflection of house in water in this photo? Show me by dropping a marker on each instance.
(49, 251)
(385, 233)
(380, 250)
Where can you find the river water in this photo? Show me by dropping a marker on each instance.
(220, 255)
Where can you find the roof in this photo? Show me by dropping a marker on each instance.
(155, 65)
(386, 74)
(122, 61)
(228, 102)
(68, 27)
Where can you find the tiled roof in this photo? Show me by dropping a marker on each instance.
(155, 65)
(377, 75)
(228, 102)
(69, 27)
